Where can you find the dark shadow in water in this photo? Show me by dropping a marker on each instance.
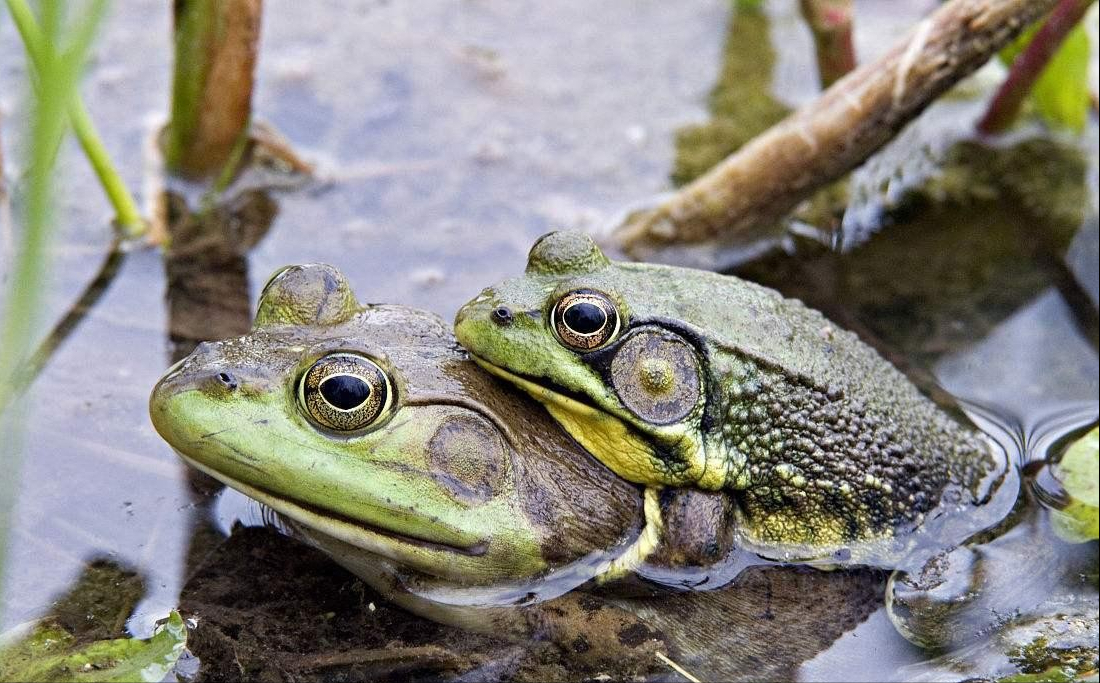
(275, 609)
(100, 601)
(206, 266)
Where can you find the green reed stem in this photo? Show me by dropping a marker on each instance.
(57, 72)
(127, 216)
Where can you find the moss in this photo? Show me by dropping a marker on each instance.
(1041, 660)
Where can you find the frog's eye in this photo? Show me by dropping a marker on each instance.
(345, 392)
(585, 319)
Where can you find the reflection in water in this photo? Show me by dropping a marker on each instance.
(69, 321)
(1022, 602)
(83, 638)
(742, 104)
(99, 601)
(206, 267)
(1040, 404)
(761, 626)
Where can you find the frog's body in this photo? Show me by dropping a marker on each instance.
(433, 483)
(703, 380)
(460, 499)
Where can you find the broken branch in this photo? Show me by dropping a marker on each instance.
(747, 194)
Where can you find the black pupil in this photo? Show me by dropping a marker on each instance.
(584, 318)
(345, 391)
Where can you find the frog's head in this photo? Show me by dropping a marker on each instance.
(628, 384)
(367, 424)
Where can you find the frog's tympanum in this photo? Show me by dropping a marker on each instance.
(675, 377)
(375, 438)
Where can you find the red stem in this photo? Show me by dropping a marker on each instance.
(1029, 65)
(830, 22)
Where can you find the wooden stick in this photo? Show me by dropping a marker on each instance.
(745, 196)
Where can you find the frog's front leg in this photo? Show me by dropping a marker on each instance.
(685, 530)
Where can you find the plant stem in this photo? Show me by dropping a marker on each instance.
(1029, 65)
(127, 215)
(830, 22)
(216, 49)
(58, 72)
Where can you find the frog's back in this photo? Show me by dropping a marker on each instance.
(827, 441)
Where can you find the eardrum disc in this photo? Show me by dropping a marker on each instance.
(655, 374)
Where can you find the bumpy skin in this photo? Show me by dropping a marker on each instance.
(462, 482)
(824, 442)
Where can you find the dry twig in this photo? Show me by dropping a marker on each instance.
(747, 194)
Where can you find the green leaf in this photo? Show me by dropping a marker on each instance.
(1078, 471)
(1061, 94)
(48, 653)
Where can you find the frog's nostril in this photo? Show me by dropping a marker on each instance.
(502, 315)
(228, 380)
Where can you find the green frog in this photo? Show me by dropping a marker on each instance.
(675, 377)
(375, 438)
(366, 426)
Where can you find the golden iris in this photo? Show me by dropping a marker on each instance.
(585, 319)
(345, 392)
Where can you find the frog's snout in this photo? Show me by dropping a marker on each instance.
(468, 319)
(204, 371)
(213, 382)
(468, 313)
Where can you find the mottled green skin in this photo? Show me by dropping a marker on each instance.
(464, 483)
(822, 440)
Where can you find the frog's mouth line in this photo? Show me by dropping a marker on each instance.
(338, 526)
(546, 391)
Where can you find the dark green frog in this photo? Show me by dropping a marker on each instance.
(675, 377)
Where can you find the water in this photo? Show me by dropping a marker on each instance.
(447, 137)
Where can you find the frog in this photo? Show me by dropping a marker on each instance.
(682, 378)
(364, 425)
(374, 437)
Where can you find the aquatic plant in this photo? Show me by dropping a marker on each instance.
(57, 74)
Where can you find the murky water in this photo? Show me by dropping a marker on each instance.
(447, 136)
